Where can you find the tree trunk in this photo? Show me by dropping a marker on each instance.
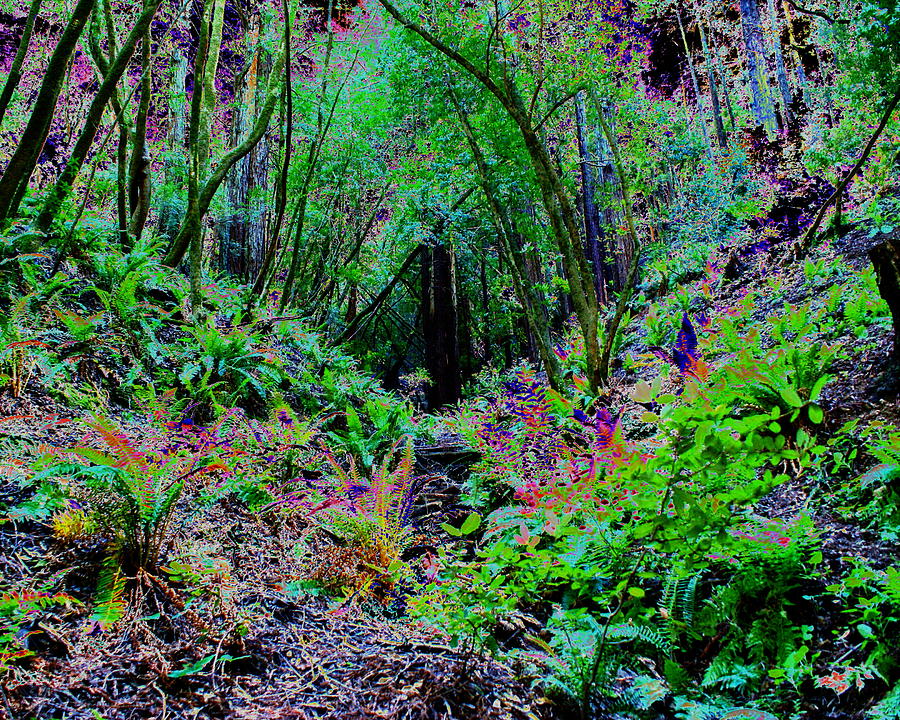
(532, 305)
(216, 21)
(798, 60)
(439, 324)
(139, 169)
(94, 116)
(760, 100)
(780, 72)
(14, 182)
(243, 231)
(721, 138)
(205, 196)
(103, 60)
(15, 70)
(696, 85)
(886, 261)
(593, 233)
(729, 107)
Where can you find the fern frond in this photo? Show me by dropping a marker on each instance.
(625, 632)
(879, 475)
(128, 456)
(110, 605)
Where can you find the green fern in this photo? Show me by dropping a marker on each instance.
(680, 603)
(888, 708)
(110, 602)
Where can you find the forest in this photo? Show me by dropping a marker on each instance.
(459, 360)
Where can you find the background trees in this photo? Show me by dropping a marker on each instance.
(444, 186)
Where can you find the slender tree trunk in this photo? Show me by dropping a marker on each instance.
(15, 70)
(612, 327)
(281, 193)
(139, 169)
(696, 85)
(726, 94)
(217, 17)
(780, 73)
(102, 61)
(798, 60)
(191, 225)
(721, 138)
(760, 100)
(593, 232)
(14, 182)
(94, 116)
(835, 197)
(312, 161)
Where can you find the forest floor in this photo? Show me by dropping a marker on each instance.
(296, 658)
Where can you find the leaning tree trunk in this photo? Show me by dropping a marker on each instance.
(15, 70)
(721, 138)
(94, 116)
(760, 100)
(14, 182)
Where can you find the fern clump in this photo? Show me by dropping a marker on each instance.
(370, 516)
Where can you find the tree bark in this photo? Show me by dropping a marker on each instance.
(886, 260)
(139, 169)
(780, 73)
(439, 324)
(64, 183)
(15, 70)
(760, 100)
(14, 182)
(593, 231)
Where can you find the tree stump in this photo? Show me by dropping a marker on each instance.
(886, 260)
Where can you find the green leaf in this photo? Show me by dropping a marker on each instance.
(470, 524)
(816, 414)
(790, 396)
(636, 592)
(450, 530)
(193, 668)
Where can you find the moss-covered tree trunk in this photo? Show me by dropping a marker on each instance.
(14, 182)
(760, 99)
(15, 69)
(89, 130)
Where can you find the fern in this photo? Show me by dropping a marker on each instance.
(625, 632)
(680, 603)
(888, 708)
(110, 603)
